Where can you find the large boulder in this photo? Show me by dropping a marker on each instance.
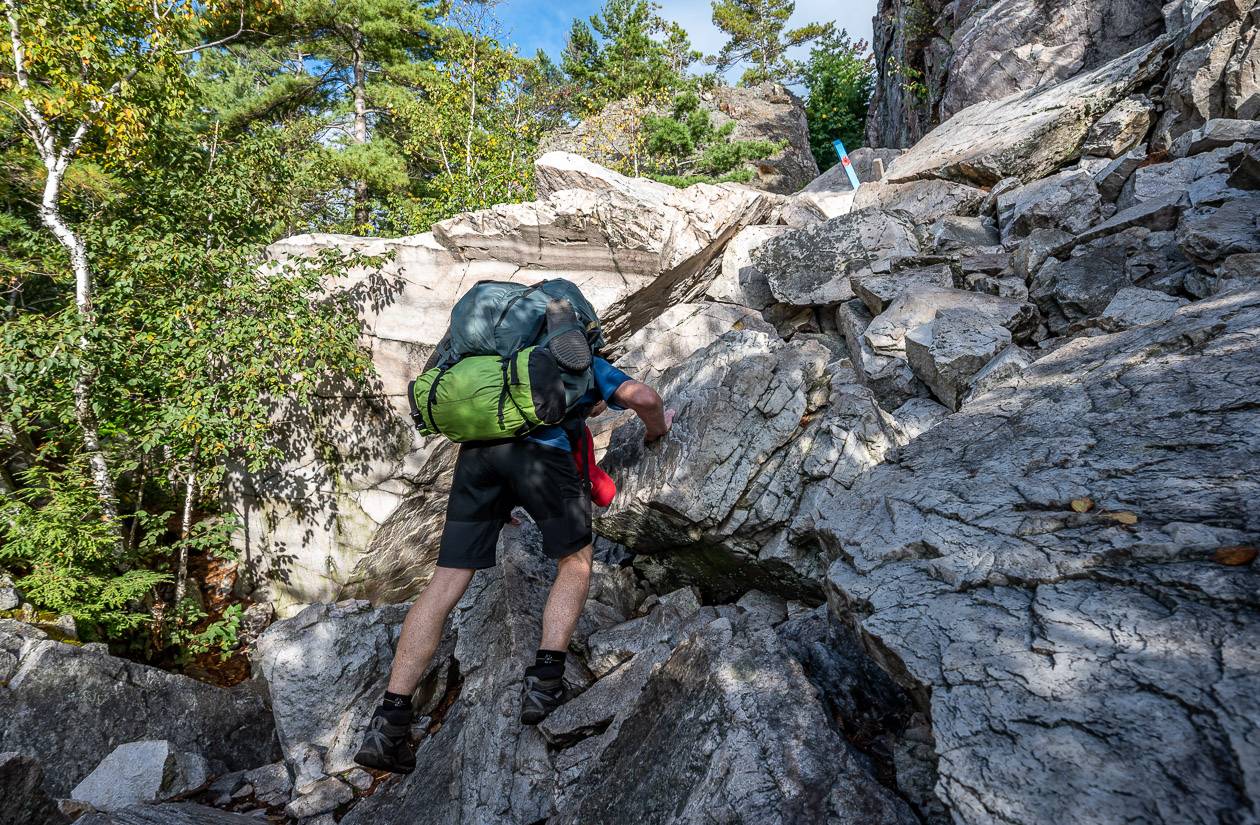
(759, 420)
(935, 59)
(478, 764)
(678, 332)
(1028, 134)
(720, 730)
(354, 509)
(613, 137)
(69, 707)
(769, 111)
(142, 772)
(325, 670)
(926, 200)
(813, 265)
(1081, 630)
(832, 194)
(740, 281)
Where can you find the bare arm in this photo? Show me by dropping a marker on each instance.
(634, 395)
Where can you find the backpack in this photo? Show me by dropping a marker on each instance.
(514, 358)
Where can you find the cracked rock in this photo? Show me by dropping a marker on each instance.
(1072, 658)
(813, 265)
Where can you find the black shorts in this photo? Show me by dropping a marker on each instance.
(493, 477)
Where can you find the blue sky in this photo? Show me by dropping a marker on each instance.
(543, 24)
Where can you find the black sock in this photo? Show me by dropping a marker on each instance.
(548, 664)
(396, 708)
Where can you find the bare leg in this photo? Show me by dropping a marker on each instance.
(422, 629)
(566, 599)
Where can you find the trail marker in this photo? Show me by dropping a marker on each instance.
(846, 163)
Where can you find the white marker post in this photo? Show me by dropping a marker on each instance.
(846, 163)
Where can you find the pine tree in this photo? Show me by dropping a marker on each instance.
(618, 55)
(357, 56)
(759, 36)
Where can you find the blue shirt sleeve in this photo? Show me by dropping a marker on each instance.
(608, 379)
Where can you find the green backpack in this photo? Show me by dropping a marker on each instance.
(515, 358)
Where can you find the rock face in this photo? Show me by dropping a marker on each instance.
(142, 772)
(365, 522)
(671, 682)
(325, 670)
(714, 733)
(758, 421)
(182, 813)
(769, 111)
(814, 265)
(935, 59)
(115, 702)
(21, 788)
(1058, 645)
(1028, 134)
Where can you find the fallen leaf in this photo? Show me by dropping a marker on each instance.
(1083, 504)
(1235, 556)
(1122, 517)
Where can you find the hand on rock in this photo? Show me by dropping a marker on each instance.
(651, 437)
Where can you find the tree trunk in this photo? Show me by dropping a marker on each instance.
(185, 530)
(85, 382)
(361, 215)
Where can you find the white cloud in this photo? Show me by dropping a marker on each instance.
(696, 16)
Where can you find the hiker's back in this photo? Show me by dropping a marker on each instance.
(500, 318)
(515, 358)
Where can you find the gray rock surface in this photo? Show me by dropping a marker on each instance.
(1075, 659)
(878, 291)
(100, 702)
(142, 772)
(323, 797)
(325, 670)
(710, 736)
(1133, 307)
(177, 813)
(740, 282)
(1028, 134)
(935, 59)
(1121, 129)
(889, 377)
(25, 802)
(1068, 201)
(813, 265)
(955, 345)
(678, 332)
(919, 305)
(1003, 370)
(1081, 286)
(9, 596)
(758, 421)
(271, 784)
(926, 200)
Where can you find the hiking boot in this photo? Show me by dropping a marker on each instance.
(566, 340)
(540, 697)
(385, 747)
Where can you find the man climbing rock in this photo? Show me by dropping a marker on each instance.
(537, 472)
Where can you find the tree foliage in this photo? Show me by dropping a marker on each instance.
(626, 50)
(759, 38)
(683, 147)
(839, 79)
